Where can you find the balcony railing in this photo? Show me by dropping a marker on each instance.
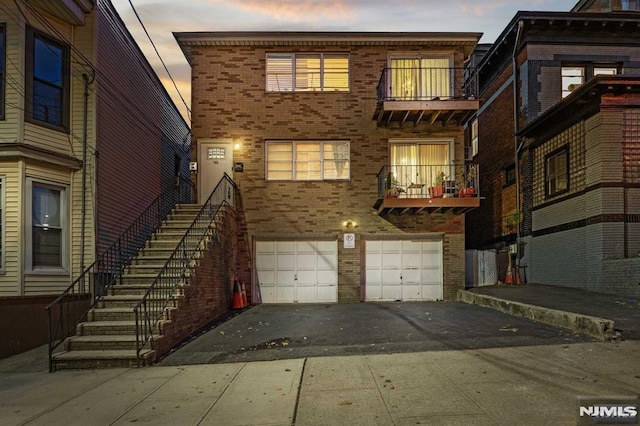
(428, 181)
(427, 84)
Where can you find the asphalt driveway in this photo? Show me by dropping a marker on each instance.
(271, 332)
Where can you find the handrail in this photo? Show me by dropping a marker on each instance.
(414, 181)
(108, 267)
(427, 84)
(152, 306)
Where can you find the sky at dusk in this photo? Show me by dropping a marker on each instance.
(162, 17)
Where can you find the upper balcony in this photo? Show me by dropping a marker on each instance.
(430, 95)
(431, 188)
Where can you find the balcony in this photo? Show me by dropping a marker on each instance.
(425, 95)
(412, 189)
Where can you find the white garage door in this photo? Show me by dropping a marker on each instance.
(403, 270)
(297, 271)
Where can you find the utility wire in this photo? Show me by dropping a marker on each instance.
(160, 57)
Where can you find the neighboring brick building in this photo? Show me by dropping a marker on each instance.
(334, 140)
(565, 216)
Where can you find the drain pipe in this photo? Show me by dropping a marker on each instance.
(516, 140)
(85, 126)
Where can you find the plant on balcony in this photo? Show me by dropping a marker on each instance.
(437, 190)
(392, 187)
(466, 182)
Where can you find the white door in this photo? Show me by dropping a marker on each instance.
(297, 271)
(215, 158)
(403, 270)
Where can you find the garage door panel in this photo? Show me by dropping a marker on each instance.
(392, 292)
(411, 260)
(307, 277)
(373, 292)
(391, 260)
(267, 277)
(432, 292)
(285, 294)
(306, 262)
(411, 275)
(286, 261)
(391, 276)
(268, 293)
(411, 292)
(285, 278)
(326, 278)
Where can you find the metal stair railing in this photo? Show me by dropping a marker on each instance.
(72, 306)
(152, 306)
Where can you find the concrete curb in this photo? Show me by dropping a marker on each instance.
(598, 328)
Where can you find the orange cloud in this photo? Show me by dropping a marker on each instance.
(295, 10)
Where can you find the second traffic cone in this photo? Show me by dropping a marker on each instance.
(237, 297)
(243, 293)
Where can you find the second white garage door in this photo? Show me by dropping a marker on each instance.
(403, 270)
(297, 271)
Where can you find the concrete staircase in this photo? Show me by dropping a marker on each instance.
(108, 337)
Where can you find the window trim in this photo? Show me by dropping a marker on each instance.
(294, 159)
(31, 36)
(320, 89)
(64, 207)
(475, 138)
(3, 74)
(589, 71)
(562, 150)
(3, 224)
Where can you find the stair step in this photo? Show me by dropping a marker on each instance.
(126, 301)
(98, 343)
(102, 359)
(111, 314)
(136, 289)
(97, 328)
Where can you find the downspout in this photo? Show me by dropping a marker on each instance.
(516, 139)
(85, 125)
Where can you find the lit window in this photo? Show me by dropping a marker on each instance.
(307, 160)
(46, 242)
(420, 79)
(308, 72)
(510, 175)
(630, 5)
(47, 80)
(556, 172)
(572, 78)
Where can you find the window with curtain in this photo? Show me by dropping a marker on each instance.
(420, 78)
(420, 163)
(307, 160)
(307, 72)
(47, 245)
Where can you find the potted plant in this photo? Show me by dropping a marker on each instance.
(467, 183)
(437, 190)
(392, 187)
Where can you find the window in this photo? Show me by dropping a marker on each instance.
(2, 70)
(418, 165)
(420, 78)
(47, 84)
(46, 241)
(474, 138)
(556, 172)
(575, 76)
(307, 160)
(510, 175)
(630, 4)
(307, 72)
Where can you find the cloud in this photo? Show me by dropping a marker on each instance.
(296, 10)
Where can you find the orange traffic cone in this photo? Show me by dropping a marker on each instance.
(237, 297)
(243, 293)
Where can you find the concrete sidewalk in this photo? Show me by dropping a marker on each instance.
(601, 316)
(530, 385)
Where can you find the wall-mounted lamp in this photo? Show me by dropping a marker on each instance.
(350, 224)
(237, 146)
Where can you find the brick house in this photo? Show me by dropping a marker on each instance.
(348, 152)
(88, 138)
(574, 213)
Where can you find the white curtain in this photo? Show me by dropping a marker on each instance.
(405, 79)
(419, 163)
